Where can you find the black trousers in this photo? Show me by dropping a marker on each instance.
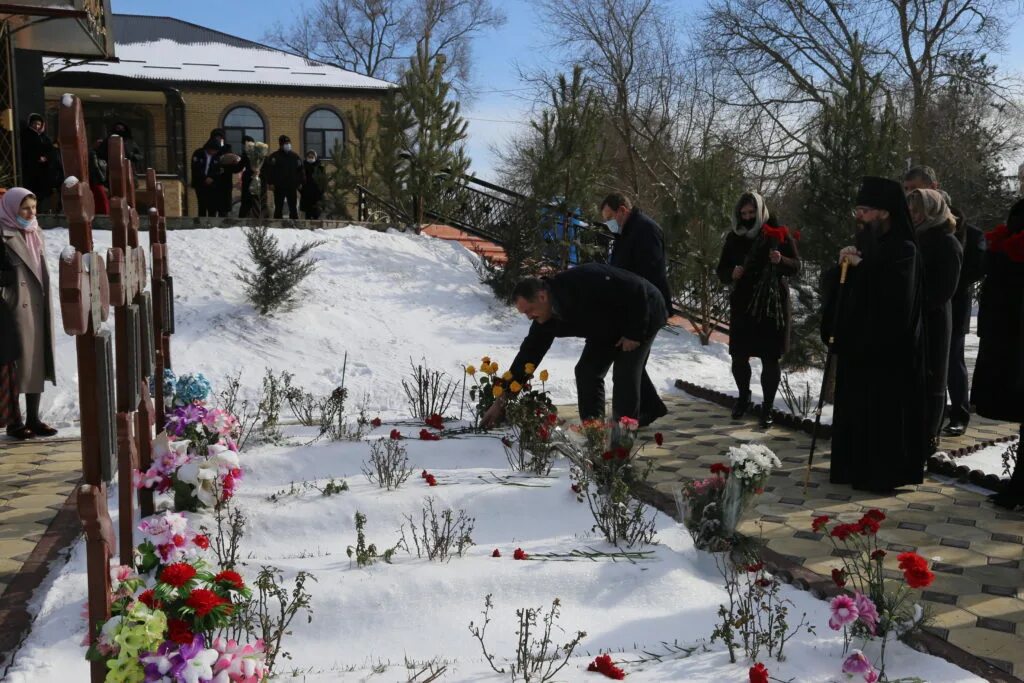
(956, 383)
(209, 202)
(633, 393)
(280, 197)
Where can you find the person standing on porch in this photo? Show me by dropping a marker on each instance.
(27, 296)
(284, 178)
(756, 259)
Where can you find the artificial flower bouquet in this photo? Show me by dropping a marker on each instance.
(490, 386)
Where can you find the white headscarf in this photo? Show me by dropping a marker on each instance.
(759, 220)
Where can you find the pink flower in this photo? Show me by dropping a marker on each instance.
(844, 612)
(866, 611)
(628, 423)
(871, 676)
(857, 663)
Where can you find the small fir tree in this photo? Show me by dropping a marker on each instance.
(273, 282)
(352, 165)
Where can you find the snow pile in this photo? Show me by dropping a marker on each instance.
(385, 298)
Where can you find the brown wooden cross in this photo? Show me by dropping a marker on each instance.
(85, 305)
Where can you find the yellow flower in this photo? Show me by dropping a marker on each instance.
(543, 375)
(470, 370)
(507, 376)
(515, 387)
(494, 367)
(530, 367)
(486, 360)
(497, 391)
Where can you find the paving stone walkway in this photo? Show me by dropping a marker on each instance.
(37, 520)
(978, 550)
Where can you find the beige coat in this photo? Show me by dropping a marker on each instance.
(29, 299)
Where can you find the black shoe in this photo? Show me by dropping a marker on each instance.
(646, 419)
(20, 432)
(741, 405)
(955, 429)
(42, 429)
(767, 419)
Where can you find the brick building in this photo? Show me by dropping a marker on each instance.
(176, 81)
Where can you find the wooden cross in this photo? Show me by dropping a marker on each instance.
(85, 305)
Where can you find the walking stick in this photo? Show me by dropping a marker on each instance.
(843, 268)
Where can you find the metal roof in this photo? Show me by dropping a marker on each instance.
(171, 50)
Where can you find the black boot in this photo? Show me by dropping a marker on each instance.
(742, 403)
(767, 420)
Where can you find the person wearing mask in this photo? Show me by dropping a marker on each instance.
(27, 296)
(224, 183)
(313, 183)
(616, 312)
(879, 434)
(998, 389)
(38, 160)
(248, 206)
(942, 256)
(639, 248)
(757, 258)
(284, 175)
(206, 172)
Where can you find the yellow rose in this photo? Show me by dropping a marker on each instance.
(530, 367)
(507, 376)
(494, 367)
(543, 375)
(497, 391)
(515, 387)
(470, 370)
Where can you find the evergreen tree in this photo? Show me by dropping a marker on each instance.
(422, 134)
(352, 165)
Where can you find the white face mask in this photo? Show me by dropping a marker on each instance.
(613, 225)
(287, 147)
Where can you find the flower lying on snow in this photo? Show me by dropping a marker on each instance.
(603, 664)
(375, 422)
(435, 421)
(212, 477)
(427, 435)
(520, 554)
(496, 553)
(758, 673)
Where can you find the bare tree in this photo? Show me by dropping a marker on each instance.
(378, 37)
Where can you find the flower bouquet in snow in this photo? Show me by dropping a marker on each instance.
(491, 386)
(181, 390)
(531, 416)
(749, 467)
(197, 479)
(702, 510)
(877, 608)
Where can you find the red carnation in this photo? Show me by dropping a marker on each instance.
(910, 560)
(232, 578)
(201, 541)
(435, 421)
(148, 598)
(204, 601)
(520, 554)
(428, 436)
(431, 480)
(839, 577)
(603, 664)
(179, 631)
(918, 577)
(576, 488)
(607, 455)
(178, 574)
(843, 531)
(621, 453)
(868, 526)
(552, 418)
(878, 555)
(658, 438)
(396, 435)
(424, 474)
(178, 540)
(375, 422)
(758, 673)
(875, 514)
(543, 434)
(756, 567)
(819, 522)
(719, 468)
(496, 553)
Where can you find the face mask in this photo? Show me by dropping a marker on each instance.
(613, 225)
(23, 222)
(287, 147)
(310, 159)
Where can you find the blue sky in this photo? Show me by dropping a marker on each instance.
(502, 104)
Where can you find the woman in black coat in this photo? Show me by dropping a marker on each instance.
(757, 257)
(312, 191)
(942, 256)
(998, 390)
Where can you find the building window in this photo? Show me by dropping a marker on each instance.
(242, 121)
(322, 131)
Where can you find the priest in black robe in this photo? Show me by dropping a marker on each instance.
(879, 434)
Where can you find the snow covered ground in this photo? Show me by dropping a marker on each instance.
(385, 298)
(988, 460)
(420, 610)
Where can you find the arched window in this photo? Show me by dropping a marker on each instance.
(242, 121)
(323, 129)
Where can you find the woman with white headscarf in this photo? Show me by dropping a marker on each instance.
(26, 294)
(942, 256)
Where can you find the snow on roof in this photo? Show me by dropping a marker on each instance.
(168, 49)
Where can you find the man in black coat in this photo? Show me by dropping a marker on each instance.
(639, 248)
(225, 182)
(616, 312)
(132, 151)
(284, 177)
(879, 437)
(206, 172)
(972, 240)
(37, 160)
